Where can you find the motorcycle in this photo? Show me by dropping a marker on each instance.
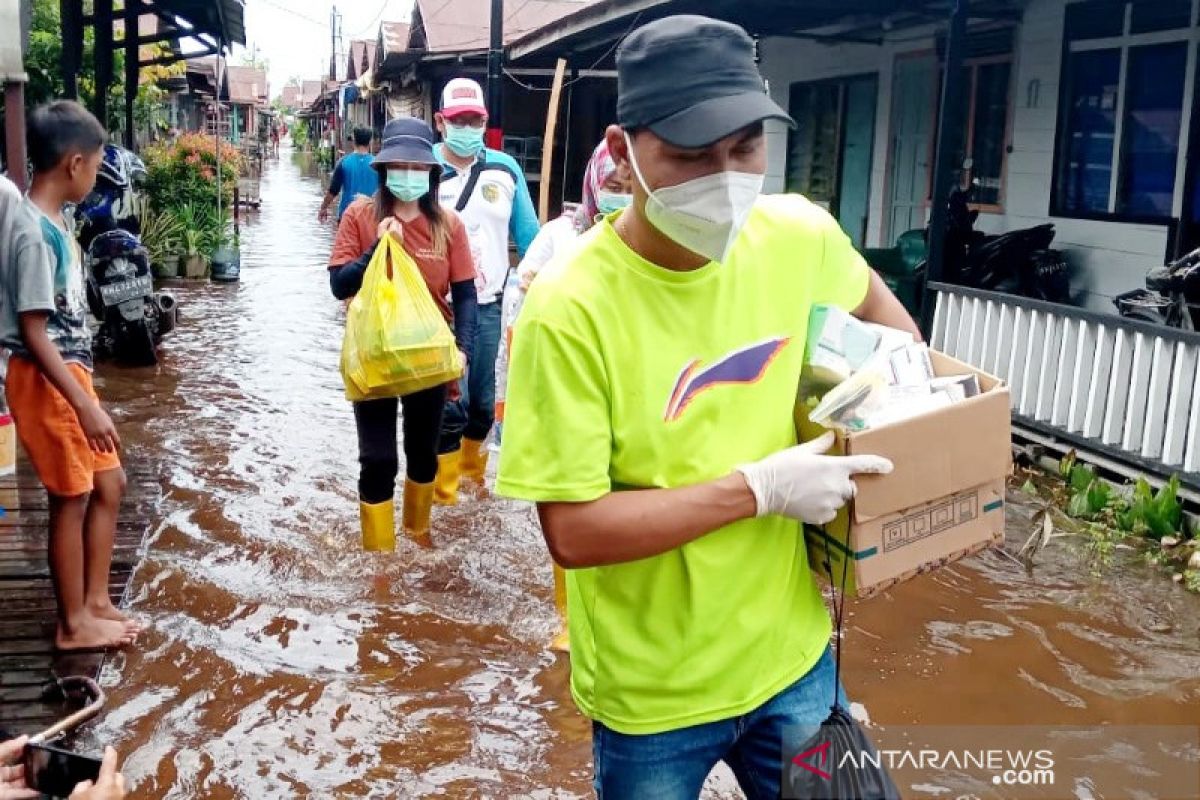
(120, 291)
(133, 318)
(1171, 296)
(1017, 262)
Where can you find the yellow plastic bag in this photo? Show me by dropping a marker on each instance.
(397, 342)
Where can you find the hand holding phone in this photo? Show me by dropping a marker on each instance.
(12, 771)
(61, 773)
(109, 784)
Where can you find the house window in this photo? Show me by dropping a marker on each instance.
(987, 86)
(986, 138)
(1086, 173)
(1121, 118)
(1153, 116)
(813, 144)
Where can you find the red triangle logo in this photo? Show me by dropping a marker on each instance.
(821, 752)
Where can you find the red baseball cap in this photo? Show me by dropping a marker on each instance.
(462, 96)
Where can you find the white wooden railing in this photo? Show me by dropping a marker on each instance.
(1125, 389)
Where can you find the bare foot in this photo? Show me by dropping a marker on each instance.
(109, 611)
(92, 633)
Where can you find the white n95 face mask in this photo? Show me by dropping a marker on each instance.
(705, 215)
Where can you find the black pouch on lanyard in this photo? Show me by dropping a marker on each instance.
(838, 762)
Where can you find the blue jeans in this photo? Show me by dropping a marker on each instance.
(673, 765)
(473, 414)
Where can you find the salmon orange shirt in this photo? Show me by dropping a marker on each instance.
(356, 236)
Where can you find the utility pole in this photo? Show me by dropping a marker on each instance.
(495, 89)
(333, 43)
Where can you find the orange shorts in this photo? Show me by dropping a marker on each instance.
(50, 431)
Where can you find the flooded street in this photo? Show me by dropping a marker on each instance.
(283, 662)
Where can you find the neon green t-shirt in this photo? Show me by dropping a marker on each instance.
(625, 375)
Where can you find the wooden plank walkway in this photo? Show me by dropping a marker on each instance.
(28, 660)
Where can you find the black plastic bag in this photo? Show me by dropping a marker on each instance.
(838, 763)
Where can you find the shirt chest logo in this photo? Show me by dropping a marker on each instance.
(490, 192)
(746, 365)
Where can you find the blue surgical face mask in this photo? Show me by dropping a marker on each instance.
(407, 184)
(464, 140)
(608, 202)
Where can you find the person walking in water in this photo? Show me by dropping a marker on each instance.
(606, 189)
(488, 189)
(650, 417)
(353, 177)
(405, 206)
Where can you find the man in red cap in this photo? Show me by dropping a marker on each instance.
(651, 392)
(488, 190)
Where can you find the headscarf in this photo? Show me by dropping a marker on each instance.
(599, 168)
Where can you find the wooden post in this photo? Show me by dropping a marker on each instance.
(72, 47)
(949, 145)
(131, 66)
(14, 124)
(103, 58)
(560, 69)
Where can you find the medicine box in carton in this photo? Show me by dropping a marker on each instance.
(943, 501)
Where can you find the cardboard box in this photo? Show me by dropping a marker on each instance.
(943, 501)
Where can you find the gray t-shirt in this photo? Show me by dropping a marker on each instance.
(40, 270)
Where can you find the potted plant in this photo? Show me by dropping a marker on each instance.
(194, 265)
(226, 257)
(161, 235)
(197, 234)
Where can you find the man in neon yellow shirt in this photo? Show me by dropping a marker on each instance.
(652, 382)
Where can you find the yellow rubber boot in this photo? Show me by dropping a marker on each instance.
(445, 485)
(378, 525)
(474, 460)
(562, 641)
(418, 501)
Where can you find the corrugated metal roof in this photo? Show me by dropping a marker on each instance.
(460, 25)
(395, 37)
(359, 60)
(310, 91)
(221, 18)
(290, 96)
(247, 85)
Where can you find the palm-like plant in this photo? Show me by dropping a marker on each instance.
(162, 234)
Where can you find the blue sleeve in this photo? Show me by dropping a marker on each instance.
(338, 178)
(523, 222)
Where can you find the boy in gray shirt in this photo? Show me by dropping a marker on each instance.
(69, 438)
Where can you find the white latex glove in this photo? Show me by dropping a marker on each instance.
(803, 484)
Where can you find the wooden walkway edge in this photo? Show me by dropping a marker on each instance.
(28, 661)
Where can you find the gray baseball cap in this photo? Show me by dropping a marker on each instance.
(691, 80)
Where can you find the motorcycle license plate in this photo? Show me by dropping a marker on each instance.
(131, 289)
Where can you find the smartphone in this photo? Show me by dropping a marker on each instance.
(56, 772)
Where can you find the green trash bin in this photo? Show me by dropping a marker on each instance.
(902, 267)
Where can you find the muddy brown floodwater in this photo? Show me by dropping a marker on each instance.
(283, 662)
